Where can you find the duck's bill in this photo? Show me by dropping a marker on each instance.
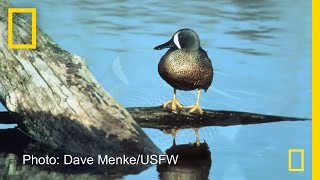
(168, 44)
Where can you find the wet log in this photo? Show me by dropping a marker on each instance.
(57, 101)
(160, 118)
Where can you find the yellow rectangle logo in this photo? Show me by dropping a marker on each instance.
(33, 12)
(301, 168)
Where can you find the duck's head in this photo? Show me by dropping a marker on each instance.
(186, 39)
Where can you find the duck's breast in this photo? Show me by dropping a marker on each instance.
(186, 70)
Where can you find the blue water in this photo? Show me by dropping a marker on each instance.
(261, 52)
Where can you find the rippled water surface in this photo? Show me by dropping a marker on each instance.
(261, 52)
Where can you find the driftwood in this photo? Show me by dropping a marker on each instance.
(57, 101)
(160, 118)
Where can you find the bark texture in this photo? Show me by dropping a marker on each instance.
(57, 99)
(160, 118)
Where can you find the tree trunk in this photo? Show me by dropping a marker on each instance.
(58, 100)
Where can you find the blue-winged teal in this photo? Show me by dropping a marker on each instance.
(185, 66)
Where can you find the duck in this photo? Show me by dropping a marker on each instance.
(185, 66)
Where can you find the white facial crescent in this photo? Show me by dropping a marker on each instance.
(176, 40)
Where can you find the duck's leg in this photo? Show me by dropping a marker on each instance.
(197, 136)
(173, 132)
(196, 108)
(173, 105)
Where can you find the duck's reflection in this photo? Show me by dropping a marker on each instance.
(194, 160)
(174, 132)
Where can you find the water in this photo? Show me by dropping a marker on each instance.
(261, 52)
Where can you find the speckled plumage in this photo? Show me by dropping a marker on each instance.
(185, 66)
(186, 70)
